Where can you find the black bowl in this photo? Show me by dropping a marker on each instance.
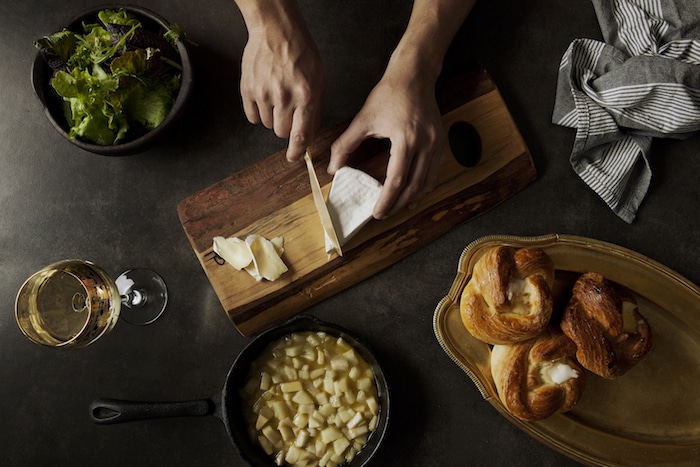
(235, 420)
(41, 76)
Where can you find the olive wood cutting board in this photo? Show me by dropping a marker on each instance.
(273, 198)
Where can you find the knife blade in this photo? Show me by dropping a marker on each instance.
(321, 207)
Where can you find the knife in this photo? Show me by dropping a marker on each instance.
(326, 221)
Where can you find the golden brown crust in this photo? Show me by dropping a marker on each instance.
(508, 298)
(520, 372)
(603, 319)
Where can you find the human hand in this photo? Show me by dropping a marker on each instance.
(282, 79)
(402, 109)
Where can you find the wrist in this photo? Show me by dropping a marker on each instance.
(411, 65)
(263, 17)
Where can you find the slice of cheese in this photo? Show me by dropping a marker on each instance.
(260, 257)
(267, 263)
(350, 202)
(234, 251)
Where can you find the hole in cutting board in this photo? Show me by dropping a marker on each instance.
(465, 143)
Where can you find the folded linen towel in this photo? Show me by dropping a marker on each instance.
(642, 82)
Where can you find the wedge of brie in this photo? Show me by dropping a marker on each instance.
(350, 202)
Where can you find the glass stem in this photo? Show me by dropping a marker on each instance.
(134, 299)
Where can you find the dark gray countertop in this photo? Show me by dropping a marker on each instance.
(57, 202)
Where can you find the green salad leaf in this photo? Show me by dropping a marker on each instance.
(112, 90)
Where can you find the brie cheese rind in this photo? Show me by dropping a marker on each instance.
(350, 202)
(260, 257)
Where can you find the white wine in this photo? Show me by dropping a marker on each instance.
(70, 303)
(61, 305)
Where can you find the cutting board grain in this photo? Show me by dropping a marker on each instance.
(273, 198)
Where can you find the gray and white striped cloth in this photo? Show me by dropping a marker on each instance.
(643, 82)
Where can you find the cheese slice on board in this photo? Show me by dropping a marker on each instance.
(350, 202)
(260, 257)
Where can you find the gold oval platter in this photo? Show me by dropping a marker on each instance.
(650, 415)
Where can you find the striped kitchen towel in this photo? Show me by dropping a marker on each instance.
(643, 82)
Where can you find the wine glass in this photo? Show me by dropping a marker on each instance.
(72, 303)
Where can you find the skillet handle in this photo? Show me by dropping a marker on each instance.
(111, 411)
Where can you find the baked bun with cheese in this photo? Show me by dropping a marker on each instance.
(603, 319)
(539, 377)
(508, 298)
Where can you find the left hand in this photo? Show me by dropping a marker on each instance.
(403, 109)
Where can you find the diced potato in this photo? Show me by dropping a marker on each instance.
(301, 420)
(373, 405)
(340, 363)
(365, 383)
(354, 373)
(322, 398)
(302, 398)
(351, 357)
(325, 458)
(290, 372)
(265, 381)
(330, 434)
(374, 421)
(315, 423)
(340, 386)
(337, 459)
(261, 421)
(350, 454)
(291, 386)
(356, 420)
(281, 409)
(301, 439)
(357, 431)
(272, 435)
(266, 445)
(293, 455)
(340, 445)
(328, 385)
(346, 414)
(286, 432)
(294, 350)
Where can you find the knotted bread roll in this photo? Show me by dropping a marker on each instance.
(538, 377)
(508, 298)
(603, 319)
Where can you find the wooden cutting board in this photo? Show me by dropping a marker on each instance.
(273, 198)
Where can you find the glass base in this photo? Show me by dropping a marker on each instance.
(144, 296)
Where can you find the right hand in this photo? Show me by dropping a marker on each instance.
(282, 80)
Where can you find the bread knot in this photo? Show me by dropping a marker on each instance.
(538, 377)
(508, 298)
(603, 319)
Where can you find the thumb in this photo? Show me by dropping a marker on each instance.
(343, 147)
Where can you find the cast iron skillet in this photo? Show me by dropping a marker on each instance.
(227, 406)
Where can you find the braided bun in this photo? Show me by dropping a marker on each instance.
(538, 377)
(508, 298)
(603, 320)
